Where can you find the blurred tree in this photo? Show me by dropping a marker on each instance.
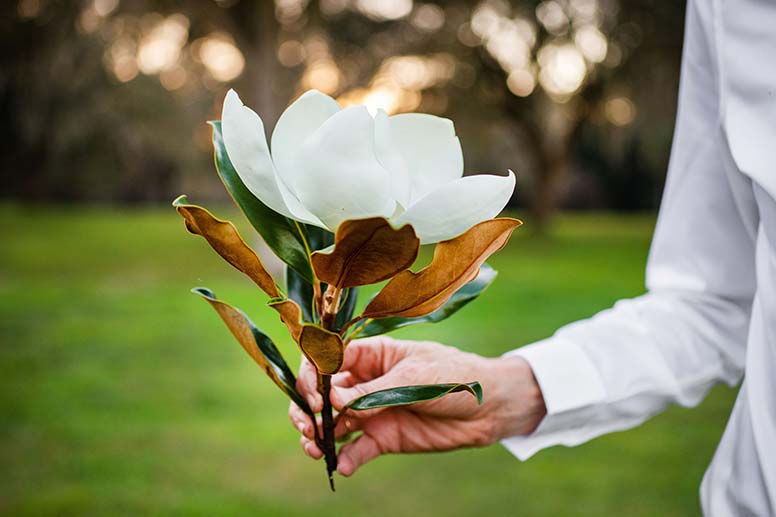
(106, 99)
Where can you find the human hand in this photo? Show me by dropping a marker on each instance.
(512, 404)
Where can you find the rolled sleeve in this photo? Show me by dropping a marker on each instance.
(569, 381)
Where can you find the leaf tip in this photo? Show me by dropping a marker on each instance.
(476, 389)
(204, 292)
(180, 201)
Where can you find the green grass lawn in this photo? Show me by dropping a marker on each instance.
(122, 393)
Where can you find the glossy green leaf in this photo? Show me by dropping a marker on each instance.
(406, 395)
(281, 234)
(301, 290)
(317, 238)
(456, 302)
(298, 287)
(258, 345)
(347, 307)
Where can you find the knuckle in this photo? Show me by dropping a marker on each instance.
(484, 433)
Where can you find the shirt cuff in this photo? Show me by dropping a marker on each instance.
(569, 381)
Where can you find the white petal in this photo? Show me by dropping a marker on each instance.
(343, 179)
(389, 157)
(455, 207)
(430, 151)
(296, 124)
(246, 145)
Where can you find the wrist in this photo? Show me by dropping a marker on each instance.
(515, 401)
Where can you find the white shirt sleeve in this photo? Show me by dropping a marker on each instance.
(688, 332)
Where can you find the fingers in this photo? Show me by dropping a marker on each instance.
(310, 448)
(344, 379)
(370, 361)
(373, 355)
(307, 385)
(356, 453)
(341, 395)
(301, 421)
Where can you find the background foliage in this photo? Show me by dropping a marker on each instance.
(107, 99)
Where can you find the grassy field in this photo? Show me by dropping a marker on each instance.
(121, 393)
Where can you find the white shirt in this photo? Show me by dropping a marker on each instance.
(710, 312)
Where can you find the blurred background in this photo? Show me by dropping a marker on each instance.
(123, 394)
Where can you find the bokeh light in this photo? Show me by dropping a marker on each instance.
(563, 70)
(620, 111)
(381, 10)
(591, 42)
(161, 46)
(221, 57)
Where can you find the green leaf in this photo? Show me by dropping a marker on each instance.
(301, 290)
(317, 238)
(280, 233)
(406, 395)
(456, 302)
(298, 287)
(258, 345)
(347, 307)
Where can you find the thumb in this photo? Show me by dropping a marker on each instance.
(341, 395)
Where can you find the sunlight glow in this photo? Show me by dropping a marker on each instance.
(323, 75)
(388, 98)
(221, 57)
(381, 10)
(161, 47)
(591, 42)
(563, 70)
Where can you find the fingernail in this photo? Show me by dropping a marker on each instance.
(311, 400)
(343, 466)
(301, 427)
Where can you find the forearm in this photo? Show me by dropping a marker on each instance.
(617, 369)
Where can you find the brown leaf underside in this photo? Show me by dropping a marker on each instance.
(290, 315)
(366, 251)
(455, 262)
(324, 348)
(226, 241)
(240, 329)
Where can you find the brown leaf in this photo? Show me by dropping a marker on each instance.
(240, 327)
(226, 241)
(323, 348)
(366, 251)
(455, 263)
(290, 315)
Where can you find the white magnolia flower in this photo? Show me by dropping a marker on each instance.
(330, 164)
